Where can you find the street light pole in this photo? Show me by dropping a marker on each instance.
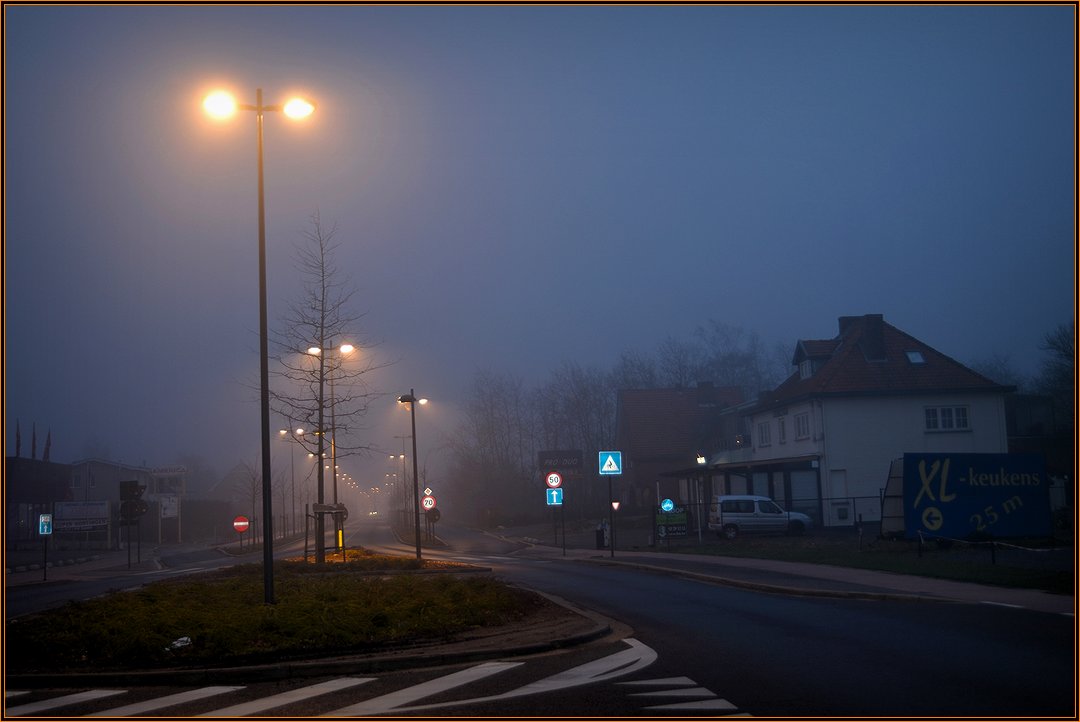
(411, 400)
(223, 105)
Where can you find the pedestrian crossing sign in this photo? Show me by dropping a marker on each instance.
(610, 463)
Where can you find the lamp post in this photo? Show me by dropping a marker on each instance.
(223, 105)
(320, 527)
(412, 401)
(284, 433)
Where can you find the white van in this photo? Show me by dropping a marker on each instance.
(730, 516)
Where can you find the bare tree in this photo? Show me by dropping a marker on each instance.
(320, 382)
(1057, 377)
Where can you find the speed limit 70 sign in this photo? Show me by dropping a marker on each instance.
(428, 502)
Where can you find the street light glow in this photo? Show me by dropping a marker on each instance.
(298, 108)
(220, 104)
(346, 348)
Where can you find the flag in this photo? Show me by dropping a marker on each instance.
(33, 441)
(18, 439)
(48, 443)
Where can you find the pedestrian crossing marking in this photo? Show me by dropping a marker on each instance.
(65, 701)
(401, 697)
(293, 695)
(150, 705)
(704, 704)
(668, 682)
(9, 693)
(690, 692)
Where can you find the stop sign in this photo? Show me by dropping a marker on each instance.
(240, 524)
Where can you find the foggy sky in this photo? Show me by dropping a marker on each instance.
(513, 187)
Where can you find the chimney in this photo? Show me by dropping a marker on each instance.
(846, 323)
(873, 338)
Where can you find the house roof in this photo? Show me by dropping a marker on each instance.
(870, 356)
(667, 422)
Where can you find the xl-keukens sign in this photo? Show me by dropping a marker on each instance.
(961, 496)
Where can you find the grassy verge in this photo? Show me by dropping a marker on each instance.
(219, 618)
(1005, 567)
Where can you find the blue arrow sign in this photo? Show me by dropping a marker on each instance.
(554, 497)
(610, 463)
(45, 524)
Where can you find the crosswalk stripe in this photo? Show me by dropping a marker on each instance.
(150, 705)
(9, 693)
(411, 694)
(688, 692)
(293, 695)
(704, 704)
(67, 699)
(666, 682)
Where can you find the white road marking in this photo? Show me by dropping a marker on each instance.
(293, 695)
(150, 705)
(66, 700)
(668, 682)
(705, 704)
(689, 692)
(9, 693)
(401, 697)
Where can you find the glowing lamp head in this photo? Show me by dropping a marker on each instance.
(219, 104)
(346, 348)
(298, 108)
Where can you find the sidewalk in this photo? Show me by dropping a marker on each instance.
(812, 579)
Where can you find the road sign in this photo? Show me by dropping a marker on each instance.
(240, 524)
(610, 463)
(428, 502)
(554, 497)
(428, 491)
(667, 505)
(554, 480)
(45, 524)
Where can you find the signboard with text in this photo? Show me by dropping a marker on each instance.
(964, 495)
(566, 461)
(81, 515)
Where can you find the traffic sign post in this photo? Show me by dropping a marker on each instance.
(241, 524)
(45, 529)
(611, 465)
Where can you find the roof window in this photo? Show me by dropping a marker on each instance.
(915, 357)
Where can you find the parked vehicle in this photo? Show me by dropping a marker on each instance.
(730, 516)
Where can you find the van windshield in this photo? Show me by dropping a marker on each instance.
(768, 507)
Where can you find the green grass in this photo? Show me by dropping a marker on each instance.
(335, 608)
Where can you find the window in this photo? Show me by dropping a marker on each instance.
(915, 357)
(764, 436)
(767, 507)
(947, 418)
(781, 430)
(76, 481)
(802, 425)
(737, 506)
(806, 369)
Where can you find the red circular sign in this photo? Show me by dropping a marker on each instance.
(240, 524)
(428, 502)
(554, 480)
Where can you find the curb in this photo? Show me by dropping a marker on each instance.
(776, 588)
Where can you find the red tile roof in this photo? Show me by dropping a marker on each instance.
(870, 357)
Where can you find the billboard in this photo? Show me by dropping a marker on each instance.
(81, 515)
(959, 496)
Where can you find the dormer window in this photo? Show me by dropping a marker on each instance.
(806, 369)
(915, 357)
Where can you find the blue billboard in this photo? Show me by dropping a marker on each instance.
(959, 496)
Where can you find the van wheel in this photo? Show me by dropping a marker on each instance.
(796, 528)
(730, 532)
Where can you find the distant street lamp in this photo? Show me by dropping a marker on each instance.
(320, 526)
(222, 105)
(284, 433)
(412, 401)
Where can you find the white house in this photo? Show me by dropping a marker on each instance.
(822, 441)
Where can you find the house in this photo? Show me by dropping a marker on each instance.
(822, 441)
(661, 429)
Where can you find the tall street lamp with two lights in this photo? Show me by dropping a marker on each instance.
(221, 104)
(320, 527)
(412, 401)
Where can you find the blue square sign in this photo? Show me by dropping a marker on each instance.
(554, 497)
(610, 463)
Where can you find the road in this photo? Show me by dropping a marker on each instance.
(692, 648)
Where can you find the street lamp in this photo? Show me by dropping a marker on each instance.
(284, 433)
(222, 105)
(412, 401)
(320, 527)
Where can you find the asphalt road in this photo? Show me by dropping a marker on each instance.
(779, 655)
(690, 648)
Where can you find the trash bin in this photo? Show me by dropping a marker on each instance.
(599, 538)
